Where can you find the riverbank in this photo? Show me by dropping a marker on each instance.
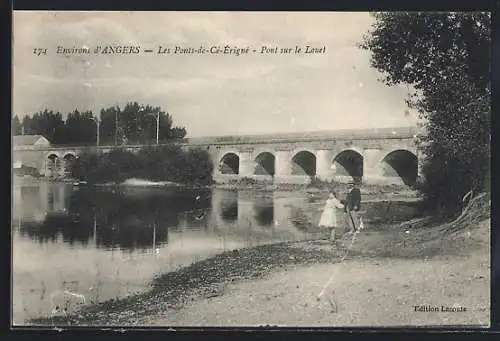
(393, 277)
(363, 292)
(206, 278)
(315, 189)
(386, 274)
(316, 186)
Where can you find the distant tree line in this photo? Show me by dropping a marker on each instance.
(133, 124)
(162, 163)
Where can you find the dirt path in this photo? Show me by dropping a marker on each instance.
(373, 292)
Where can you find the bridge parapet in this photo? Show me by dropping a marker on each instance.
(358, 134)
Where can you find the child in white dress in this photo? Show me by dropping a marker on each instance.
(329, 219)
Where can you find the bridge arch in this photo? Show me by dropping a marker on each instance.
(69, 159)
(229, 163)
(400, 163)
(303, 162)
(265, 163)
(69, 153)
(348, 162)
(394, 146)
(53, 153)
(53, 163)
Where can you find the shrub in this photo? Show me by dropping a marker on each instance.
(162, 163)
(320, 184)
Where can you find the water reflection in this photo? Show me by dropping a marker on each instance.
(109, 243)
(264, 211)
(55, 226)
(112, 219)
(228, 206)
(139, 219)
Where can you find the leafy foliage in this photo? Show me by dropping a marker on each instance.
(445, 57)
(134, 124)
(46, 123)
(85, 167)
(80, 128)
(162, 163)
(16, 126)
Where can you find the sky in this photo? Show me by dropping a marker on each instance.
(208, 94)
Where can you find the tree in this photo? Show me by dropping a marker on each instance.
(136, 123)
(108, 127)
(139, 123)
(16, 126)
(445, 58)
(46, 123)
(26, 124)
(85, 166)
(177, 133)
(158, 163)
(132, 122)
(199, 167)
(80, 128)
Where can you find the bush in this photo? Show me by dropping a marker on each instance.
(320, 184)
(199, 167)
(163, 163)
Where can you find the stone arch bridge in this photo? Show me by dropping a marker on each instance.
(383, 156)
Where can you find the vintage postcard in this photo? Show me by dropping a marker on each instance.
(303, 169)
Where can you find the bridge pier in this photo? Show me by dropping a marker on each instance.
(246, 163)
(283, 165)
(246, 216)
(324, 169)
(371, 173)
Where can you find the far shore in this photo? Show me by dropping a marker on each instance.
(370, 192)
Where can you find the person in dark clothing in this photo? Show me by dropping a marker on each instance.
(352, 206)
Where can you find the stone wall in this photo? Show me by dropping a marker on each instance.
(367, 156)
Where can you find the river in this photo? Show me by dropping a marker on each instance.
(105, 244)
(82, 245)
